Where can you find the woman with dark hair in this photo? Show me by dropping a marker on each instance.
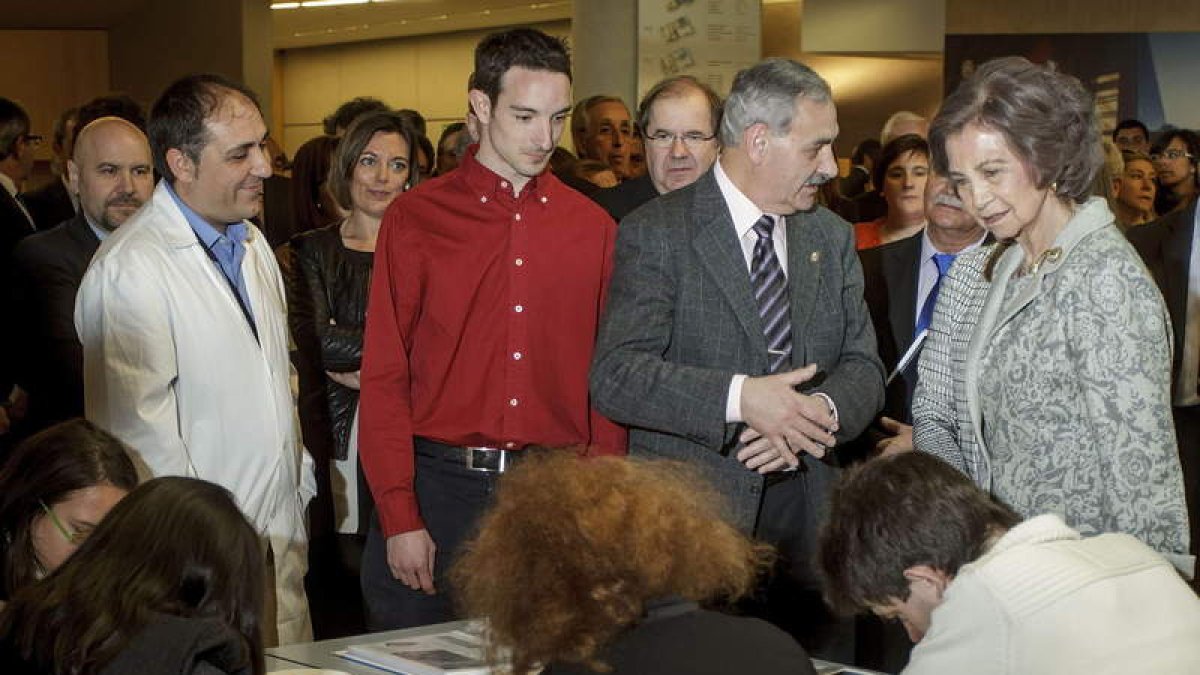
(54, 489)
(1176, 157)
(168, 583)
(900, 177)
(1046, 376)
(600, 563)
(373, 164)
(312, 203)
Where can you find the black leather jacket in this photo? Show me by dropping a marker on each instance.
(328, 308)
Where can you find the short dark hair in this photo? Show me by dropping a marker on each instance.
(674, 87)
(868, 147)
(345, 158)
(178, 117)
(414, 119)
(1189, 138)
(112, 105)
(894, 150)
(892, 513)
(1047, 118)
(346, 112)
(176, 546)
(516, 48)
(44, 469)
(1130, 124)
(452, 128)
(14, 123)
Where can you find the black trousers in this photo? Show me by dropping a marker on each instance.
(451, 499)
(789, 518)
(1187, 432)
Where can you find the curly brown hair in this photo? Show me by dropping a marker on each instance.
(573, 549)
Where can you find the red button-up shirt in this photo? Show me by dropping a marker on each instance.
(482, 317)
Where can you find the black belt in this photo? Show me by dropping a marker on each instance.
(777, 477)
(472, 458)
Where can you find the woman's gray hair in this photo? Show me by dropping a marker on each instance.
(1047, 118)
(766, 93)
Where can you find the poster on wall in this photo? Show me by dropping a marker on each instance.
(1146, 76)
(709, 39)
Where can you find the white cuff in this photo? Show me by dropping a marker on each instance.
(733, 402)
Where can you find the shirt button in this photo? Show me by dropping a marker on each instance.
(516, 216)
(513, 402)
(510, 445)
(516, 356)
(504, 184)
(518, 309)
(519, 261)
(483, 200)
(543, 200)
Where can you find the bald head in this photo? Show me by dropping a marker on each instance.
(111, 171)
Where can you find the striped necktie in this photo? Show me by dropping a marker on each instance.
(771, 294)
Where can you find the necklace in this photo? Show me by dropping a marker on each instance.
(1050, 255)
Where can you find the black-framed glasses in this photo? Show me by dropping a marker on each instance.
(666, 139)
(32, 139)
(1170, 154)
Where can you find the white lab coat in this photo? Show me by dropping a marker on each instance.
(172, 368)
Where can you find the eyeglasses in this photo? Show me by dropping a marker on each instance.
(1170, 154)
(32, 139)
(74, 538)
(666, 139)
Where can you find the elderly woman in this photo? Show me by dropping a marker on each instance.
(585, 564)
(1133, 190)
(900, 177)
(373, 164)
(1046, 375)
(54, 490)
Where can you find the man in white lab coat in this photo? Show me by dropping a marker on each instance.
(183, 325)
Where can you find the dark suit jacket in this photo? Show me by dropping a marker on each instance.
(622, 199)
(681, 320)
(46, 272)
(890, 275)
(1166, 247)
(14, 227)
(278, 220)
(50, 204)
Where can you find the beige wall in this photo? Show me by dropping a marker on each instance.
(49, 71)
(427, 73)
(1071, 16)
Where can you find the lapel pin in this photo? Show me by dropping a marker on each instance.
(815, 256)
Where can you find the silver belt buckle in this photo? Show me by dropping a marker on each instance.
(499, 468)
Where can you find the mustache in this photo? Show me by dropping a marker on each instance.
(125, 200)
(948, 200)
(818, 179)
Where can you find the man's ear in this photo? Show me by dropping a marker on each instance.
(73, 176)
(937, 579)
(481, 104)
(755, 139)
(181, 165)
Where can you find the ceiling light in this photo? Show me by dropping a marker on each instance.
(284, 5)
(332, 3)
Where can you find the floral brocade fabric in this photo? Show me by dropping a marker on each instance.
(1074, 391)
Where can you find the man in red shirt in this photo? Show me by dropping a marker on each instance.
(484, 307)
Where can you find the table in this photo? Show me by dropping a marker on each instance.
(321, 654)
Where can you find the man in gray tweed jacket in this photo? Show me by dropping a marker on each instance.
(691, 353)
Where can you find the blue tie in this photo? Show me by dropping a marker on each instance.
(943, 262)
(770, 292)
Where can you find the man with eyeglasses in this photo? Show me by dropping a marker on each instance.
(601, 129)
(679, 117)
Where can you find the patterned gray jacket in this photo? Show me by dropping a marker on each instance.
(1052, 390)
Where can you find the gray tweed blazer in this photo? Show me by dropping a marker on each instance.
(681, 321)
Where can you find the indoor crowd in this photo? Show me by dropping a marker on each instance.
(690, 399)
